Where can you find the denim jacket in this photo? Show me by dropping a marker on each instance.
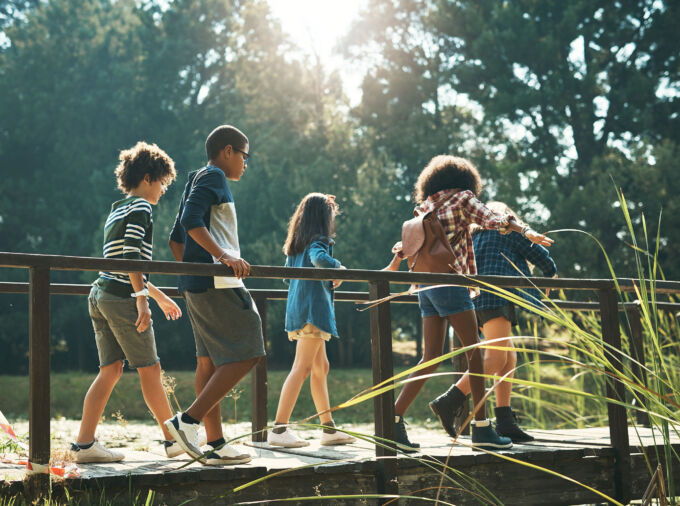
(311, 301)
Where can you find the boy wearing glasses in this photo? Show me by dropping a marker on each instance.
(226, 325)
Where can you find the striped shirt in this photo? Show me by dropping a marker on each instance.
(127, 234)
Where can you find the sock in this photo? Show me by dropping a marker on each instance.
(218, 442)
(504, 414)
(329, 424)
(187, 419)
(85, 446)
(279, 430)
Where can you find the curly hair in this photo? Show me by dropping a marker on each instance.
(140, 160)
(314, 217)
(446, 172)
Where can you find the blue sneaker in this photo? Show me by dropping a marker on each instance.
(485, 437)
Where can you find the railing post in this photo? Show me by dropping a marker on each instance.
(618, 422)
(383, 405)
(259, 382)
(39, 369)
(637, 351)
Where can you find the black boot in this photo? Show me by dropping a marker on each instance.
(506, 425)
(448, 407)
(401, 438)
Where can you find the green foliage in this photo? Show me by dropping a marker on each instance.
(551, 99)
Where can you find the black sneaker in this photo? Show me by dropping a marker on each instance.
(401, 438)
(506, 425)
(447, 407)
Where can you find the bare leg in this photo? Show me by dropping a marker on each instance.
(96, 398)
(222, 380)
(318, 384)
(305, 351)
(496, 362)
(465, 325)
(154, 395)
(213, 419)
(434, 331)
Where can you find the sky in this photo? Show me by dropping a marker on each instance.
(316, 25)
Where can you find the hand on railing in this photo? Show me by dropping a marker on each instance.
(338, 282)
(240, 266)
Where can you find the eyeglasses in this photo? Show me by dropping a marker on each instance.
(245, 155)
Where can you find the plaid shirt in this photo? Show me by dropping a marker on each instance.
(493, 251)
(462, 210)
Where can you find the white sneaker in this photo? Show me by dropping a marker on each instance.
(186, 435)
(225, 456)
(95, 453)
(287, 439)
(337, 438)
(174, 449)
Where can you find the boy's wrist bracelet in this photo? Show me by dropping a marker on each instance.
(142, 293)
(524, 231)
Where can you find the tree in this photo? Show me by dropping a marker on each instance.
(573, 86)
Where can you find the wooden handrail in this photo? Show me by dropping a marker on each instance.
(75, 263)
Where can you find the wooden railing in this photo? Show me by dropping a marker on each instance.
(39, 290)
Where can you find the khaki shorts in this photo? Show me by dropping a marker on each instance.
(113, 319)
(309, 331)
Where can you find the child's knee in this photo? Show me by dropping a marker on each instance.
(114, 371)
(321, 368)
(302, 370)
(153, 369)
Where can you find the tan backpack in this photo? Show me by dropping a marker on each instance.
(424, 242)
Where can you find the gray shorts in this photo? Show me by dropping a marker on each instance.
(113, 319)
(227, 327)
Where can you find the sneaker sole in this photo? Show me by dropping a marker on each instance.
(101, 460)
(339, 442)
(190, 449)
(289, 445)
(229, 462)
(489, 446)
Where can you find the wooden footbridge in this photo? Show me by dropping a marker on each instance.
(616, 460)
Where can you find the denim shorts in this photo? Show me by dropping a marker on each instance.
(444, 301)
(113, 319)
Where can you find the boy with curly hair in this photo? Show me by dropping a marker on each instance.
(119, 305)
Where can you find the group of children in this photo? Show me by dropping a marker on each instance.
(227, 327)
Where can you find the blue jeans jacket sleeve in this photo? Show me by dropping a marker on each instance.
(311, 301)
(320, 258)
